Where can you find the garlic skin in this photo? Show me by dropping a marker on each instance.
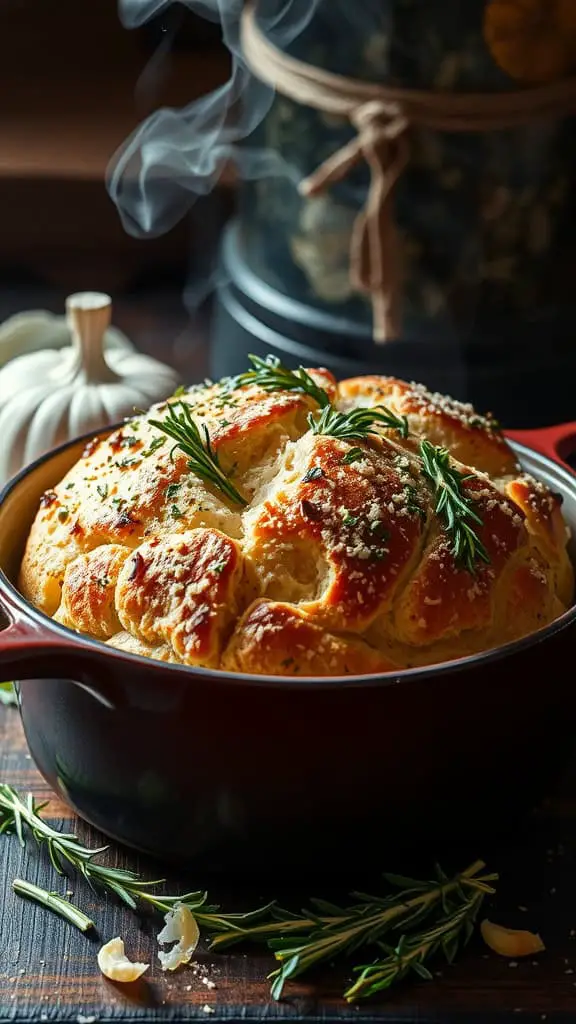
(510, 942)
(48, 397)
(116, 966)
(181, 927)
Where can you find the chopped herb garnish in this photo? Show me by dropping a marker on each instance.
(315, 473)
(218, 567)
(487, 422)
(352, 456)
(175, 512)
(103, 581)
(128, 442)
(102, 490)
(412, 503)
(127, 461)
(172, 490)
(287, 662)
(118, 502)
(181, 390)
(154, 445)
(70, 486)
(348, 519)
(63, 514)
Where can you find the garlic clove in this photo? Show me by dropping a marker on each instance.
(510, 942)
(181, 927)
(114, 963)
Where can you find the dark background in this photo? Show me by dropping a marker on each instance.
(73, 89)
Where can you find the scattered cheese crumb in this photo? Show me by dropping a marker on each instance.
(114, 963)
(182, 929)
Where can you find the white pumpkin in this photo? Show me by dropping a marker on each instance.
(38, 329)
(50, 396)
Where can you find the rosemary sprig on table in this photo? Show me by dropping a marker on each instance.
(357, 424)
(448, 906)
(453, 507)
(448, 935)
(53, 901)
(270, 375)
(66, 852)
(203, 460)
(326, 931)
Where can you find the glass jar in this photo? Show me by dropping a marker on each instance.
(486, 220)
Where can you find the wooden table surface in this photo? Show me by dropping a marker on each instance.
(48, 970)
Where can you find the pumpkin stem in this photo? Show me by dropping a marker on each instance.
(88, 315)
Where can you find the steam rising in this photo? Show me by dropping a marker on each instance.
(177, 155)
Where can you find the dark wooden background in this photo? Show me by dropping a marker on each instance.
(48, 970)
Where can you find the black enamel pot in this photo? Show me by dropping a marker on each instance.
(237, 772)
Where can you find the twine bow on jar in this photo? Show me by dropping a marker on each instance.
(375, 267)
(383, 117)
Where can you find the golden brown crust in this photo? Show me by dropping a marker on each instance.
(339, 555)
(547, 529)
(88, 601)
(132, 645)
(472, 439)
(442, 599)
(183, 590)
(281, 638)
(354, 520)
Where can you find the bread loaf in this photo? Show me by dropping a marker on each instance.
(337, 561)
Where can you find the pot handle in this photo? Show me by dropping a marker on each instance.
(29, 650)
(557, 443)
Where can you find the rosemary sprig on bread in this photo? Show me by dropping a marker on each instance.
(454, 508)
(269, 375)
(357, 424)
(180, 425)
